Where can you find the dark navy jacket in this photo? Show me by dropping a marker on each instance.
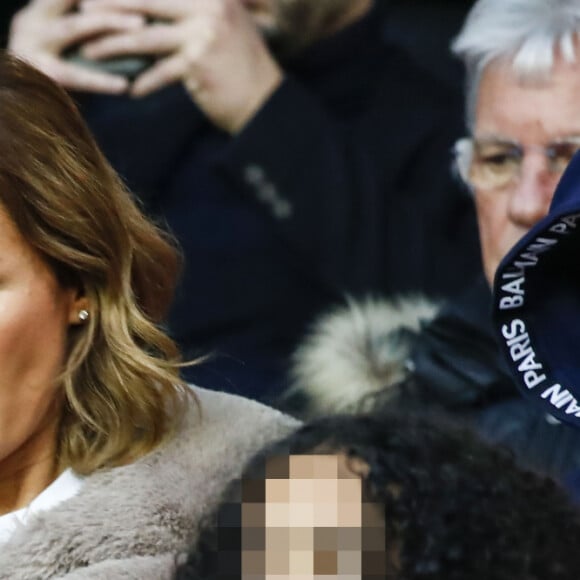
(458, 366)
(340, 184)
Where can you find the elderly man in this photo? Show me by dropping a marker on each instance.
(523, 64)
(305, 159)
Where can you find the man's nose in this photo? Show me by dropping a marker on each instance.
(533, 192)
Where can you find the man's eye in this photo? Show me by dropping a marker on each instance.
(498, 159)
(562, 154)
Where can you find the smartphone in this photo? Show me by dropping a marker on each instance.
(129, 66)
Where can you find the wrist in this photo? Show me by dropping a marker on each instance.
(253, 104)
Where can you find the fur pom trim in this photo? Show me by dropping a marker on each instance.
(355, 350)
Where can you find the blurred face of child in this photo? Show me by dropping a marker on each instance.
(313, 522)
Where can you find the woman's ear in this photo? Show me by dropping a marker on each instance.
(80, 309)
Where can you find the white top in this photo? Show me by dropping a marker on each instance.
(62, 488)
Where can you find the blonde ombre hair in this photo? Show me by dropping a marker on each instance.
(121, 377)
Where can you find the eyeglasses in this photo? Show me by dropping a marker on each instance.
(494, 163)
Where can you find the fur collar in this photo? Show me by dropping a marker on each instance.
(129, 522)
(356, 350)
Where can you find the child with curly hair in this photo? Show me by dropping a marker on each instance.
(388, 496)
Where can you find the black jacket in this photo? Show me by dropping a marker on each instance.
(340, 184)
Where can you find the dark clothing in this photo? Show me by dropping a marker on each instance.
(456, 357)
(457, 364)
(340, 184)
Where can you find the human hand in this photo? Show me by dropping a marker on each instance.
(44, 29)
(213, 47)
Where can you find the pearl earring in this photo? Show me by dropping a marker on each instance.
(83, 315)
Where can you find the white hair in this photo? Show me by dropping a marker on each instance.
(528, 33)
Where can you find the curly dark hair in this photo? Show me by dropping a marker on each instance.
(455, 508)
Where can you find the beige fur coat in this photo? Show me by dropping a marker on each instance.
(130, 522)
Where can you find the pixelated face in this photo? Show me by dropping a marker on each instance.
(310, 521)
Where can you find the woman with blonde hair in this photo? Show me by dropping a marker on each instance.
(101, 443)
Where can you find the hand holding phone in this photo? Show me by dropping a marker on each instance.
(46, 38)
(128, 66)
(213, 47)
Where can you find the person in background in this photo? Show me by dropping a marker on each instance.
(523, 118)
(294, 153)
(101, 441)
(387, 497)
